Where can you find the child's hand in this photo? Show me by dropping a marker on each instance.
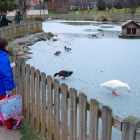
(9, 92)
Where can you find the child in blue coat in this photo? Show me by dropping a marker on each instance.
(6, 77)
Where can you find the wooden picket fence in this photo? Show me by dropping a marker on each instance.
(41, 107)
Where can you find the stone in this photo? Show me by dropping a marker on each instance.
(27, 56)
(29, 53)
(20, 53)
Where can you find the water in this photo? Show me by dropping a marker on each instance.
(95, 47)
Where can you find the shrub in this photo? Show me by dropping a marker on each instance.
(118, 5)
(101, 5)
(102, 18)
(11, 50)
(110, 7)
(62, 10)
(39, 18)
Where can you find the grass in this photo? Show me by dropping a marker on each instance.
(94, 11)
(29, 133)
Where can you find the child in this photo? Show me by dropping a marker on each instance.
(5, 21)
(6, 77)
(18, 17)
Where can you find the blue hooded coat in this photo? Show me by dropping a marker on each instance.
(5, 21)
(6, 74)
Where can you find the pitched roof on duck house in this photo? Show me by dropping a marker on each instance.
(129, 21)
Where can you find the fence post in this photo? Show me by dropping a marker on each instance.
(137, 137)
(73, 114)
(106, 123)
(15, 28)
(64, 111)
(18, 76)
(49, 108)
(130, 124)
(43, 104)
(56, 109)
(94, 109)
(3, 32)
(82, 116)
(38, 100)
(28, 92)
(33, 96)
(14, 74)
(23, 88)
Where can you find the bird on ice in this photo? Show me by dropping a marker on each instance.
(113, 85)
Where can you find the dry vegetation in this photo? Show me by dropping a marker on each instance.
(102, 18)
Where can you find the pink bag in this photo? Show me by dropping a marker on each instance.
(11, 107)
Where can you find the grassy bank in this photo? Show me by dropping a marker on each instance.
(29, 133)
(94, 11)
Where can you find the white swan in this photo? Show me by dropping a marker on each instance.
(113, 85)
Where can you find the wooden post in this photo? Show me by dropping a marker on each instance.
(106, 123)
(73, 114)
(137, 137)
(49, 107)
(56, 109)
(82, 116)
(64, 111)
(23, 88)
(32, 96)
(14, 75)
(38, 100)
(43, 104)
(18, 77)
(13, 70)
(28, 92)
(130, 124)
(94, 108)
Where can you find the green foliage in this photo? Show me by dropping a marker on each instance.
(29, 133)
(110, 7)
(7, 5)
(118, 5)
(101, 5)
(10, 48)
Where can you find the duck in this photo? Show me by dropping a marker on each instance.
(63, 73)
(113, 85)
(67, 49)
(57, 53)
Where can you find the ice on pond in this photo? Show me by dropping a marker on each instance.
(117, 58)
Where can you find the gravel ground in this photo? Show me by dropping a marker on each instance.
(10, 135)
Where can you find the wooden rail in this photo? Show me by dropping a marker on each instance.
(38, 92)
(117, 17)
(20, 29)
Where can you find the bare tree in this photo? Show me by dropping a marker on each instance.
(124, 4)
(25, 5)
(133, 4)
(83, 5)
(109, 5)
(58, 6)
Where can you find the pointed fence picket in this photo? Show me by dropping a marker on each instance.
(43, 109)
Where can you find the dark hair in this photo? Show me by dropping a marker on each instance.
(18, 12)
(4, 14)
(3, 43)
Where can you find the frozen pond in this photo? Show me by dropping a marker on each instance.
(95, 47)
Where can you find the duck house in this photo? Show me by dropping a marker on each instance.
(130, 29)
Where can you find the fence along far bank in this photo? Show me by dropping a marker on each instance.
(87, 16)
(35, 87)
(20, 29)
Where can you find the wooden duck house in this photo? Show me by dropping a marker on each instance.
(130, 29)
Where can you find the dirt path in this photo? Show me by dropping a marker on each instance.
(10, 135)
